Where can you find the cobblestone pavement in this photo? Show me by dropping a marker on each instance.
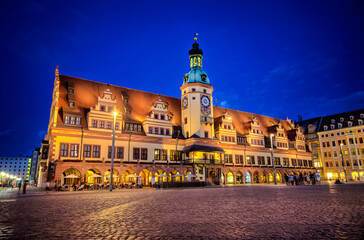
(236, 212)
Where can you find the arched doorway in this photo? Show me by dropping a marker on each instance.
(239, 178)
(223, 178)
(185, 174)
(115, 176)
(264, 177)
(145, 177)
(271, 177)
(129, 176)
(248, 177)
(229, 178)
(355, 176)
(212, 176)
(158, 173)
(174, 176)
(93, 176)
(279, 177)
(256, 177)
(71, 176)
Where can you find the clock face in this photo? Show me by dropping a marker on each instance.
(205, 101)
(185, 102)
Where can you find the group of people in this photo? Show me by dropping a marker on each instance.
(22, 185)
(56, 186)
(301, 179)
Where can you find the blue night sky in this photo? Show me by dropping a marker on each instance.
(276, 58)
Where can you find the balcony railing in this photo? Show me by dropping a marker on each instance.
(203, 161)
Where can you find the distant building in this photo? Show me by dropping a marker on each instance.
(16, 166)
(34, 166)
(326, 134)
(164, 136)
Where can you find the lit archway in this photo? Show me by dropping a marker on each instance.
(71, 176)
(239, 178)
(248, 177)
(159, 173)
(93, 176)
(129, 176)
(115, 176)
(176, 178)
(145, 177)
(264, 177)
(229, 178)
(256, 177)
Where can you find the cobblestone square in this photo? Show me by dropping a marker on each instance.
(229, 212)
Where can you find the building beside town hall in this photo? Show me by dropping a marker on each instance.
(158, 134)
(16, 166)
(336, 141)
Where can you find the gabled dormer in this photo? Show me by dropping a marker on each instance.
(158, 121)
(281, 139)
(300, 139)
(225, 129)
(254, 133)
(101, 116)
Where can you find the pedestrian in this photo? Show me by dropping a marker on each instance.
(308, 179)
(19, 185)
(25, 187)
(286, 178)
(318, 179)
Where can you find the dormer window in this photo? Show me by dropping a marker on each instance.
(325, 128)
(162, 117)
(125, 100)
(155, 116)
(71, 90)
(362, 115)
(350, 124)
(340, 125)
(128, 112)
(360, 122)
(332, 120)
(351, 117)
(72, 104)
(102, 108)
(203, 77)
(341, 119)
(332, 127)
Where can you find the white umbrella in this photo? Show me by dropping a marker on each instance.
(132, 175)
(95, 175)
(177, 175)
(162, 175)
(191, 176)
(72, 176)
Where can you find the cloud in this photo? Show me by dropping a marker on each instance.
(5, 132)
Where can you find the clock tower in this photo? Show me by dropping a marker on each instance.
(196, 98)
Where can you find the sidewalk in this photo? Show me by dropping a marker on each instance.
(13, 192)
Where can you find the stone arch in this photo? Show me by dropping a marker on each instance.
(158, 173)
(229, 177)
(185, 174)
(279, 177)
(239, 178)
(91, 176)
(107, 175)
(248, 178)
(264, 177)
(67, 176)
(256, 177)
(125, 178)
(145, 177)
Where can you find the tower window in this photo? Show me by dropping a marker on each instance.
(206, 134)
(204, 90)
(193, 89)
(185, 120)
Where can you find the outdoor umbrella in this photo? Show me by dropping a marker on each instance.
(177, 175)
(72, 176)
(95, 175)
(132, 175)
(191, 176)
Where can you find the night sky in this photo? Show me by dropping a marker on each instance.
(276, 58)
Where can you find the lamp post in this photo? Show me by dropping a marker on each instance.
(273, 162)
(112, 151)
(342, 161)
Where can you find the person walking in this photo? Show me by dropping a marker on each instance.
(19, 186)
(25, 187)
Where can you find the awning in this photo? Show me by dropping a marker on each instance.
(202, 148)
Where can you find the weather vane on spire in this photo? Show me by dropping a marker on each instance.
(195, 38)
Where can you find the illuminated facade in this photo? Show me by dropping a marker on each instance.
(16, 166)
(158, 134)
(332, 136)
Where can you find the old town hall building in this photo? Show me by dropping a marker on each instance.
(156, 135)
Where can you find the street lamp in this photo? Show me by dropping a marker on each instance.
(273, 162)
(343, 163)
(112, 151)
